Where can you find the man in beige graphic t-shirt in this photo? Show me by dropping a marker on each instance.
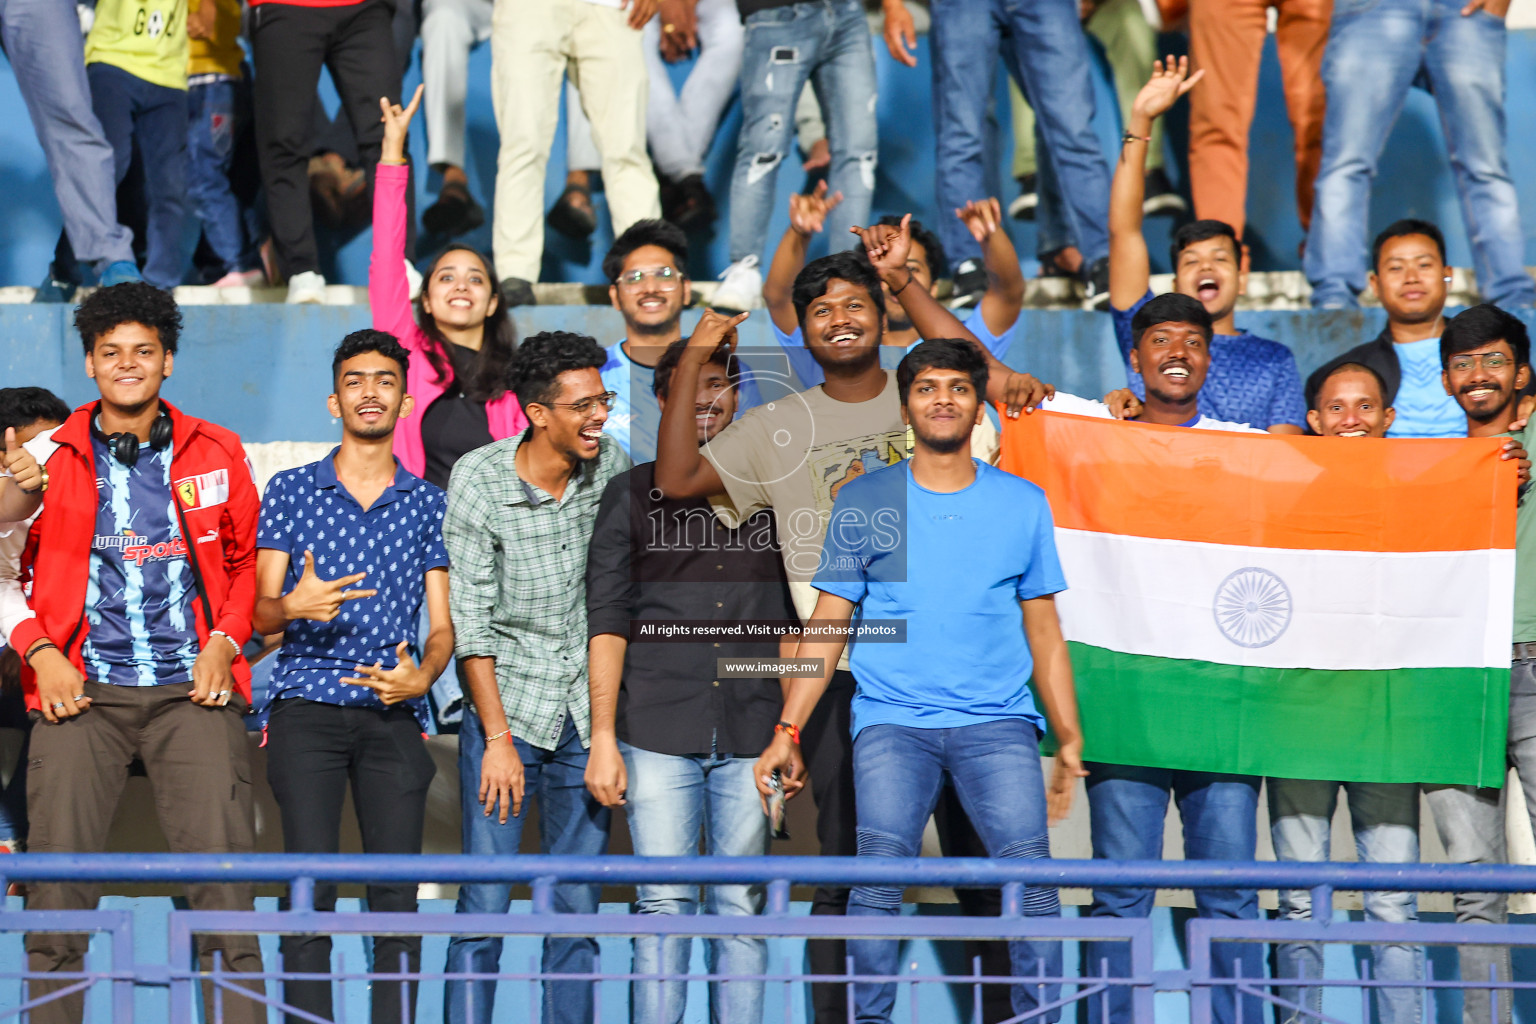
(792, 455)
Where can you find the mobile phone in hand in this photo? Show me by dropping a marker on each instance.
(776, 808)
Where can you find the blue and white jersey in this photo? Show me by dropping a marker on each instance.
(139, 598)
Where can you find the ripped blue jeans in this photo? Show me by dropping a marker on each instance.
(827, 43)
(897, 774)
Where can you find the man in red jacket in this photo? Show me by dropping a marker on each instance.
(143, 568)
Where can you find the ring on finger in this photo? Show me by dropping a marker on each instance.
(79, 697)
(58, 705)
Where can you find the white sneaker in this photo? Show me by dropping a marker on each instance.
(741, 287)
(306, 287)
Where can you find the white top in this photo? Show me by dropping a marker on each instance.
(13, 538)
(1061, 402)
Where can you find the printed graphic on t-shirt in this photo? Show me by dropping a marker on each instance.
(833, 464)
(139, 596)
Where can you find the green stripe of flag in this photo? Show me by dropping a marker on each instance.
(1435, 725)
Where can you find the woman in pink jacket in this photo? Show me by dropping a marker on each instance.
(459, 333)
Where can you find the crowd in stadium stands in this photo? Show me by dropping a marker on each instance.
(524, 511)
(217, 102)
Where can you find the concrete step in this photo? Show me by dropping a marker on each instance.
(1280, 289)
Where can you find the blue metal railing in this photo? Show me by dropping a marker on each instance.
(777, 874)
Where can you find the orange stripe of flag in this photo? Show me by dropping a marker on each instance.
(1266, 490)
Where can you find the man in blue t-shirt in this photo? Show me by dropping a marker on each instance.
(648, 284)
(1410, 279)
(350, 549)
(1252, 380)
(991, 322)
(944, 667)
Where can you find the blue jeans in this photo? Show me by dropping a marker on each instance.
(1126, 809)
(570, 822)
(153, 118)
(897, 774)
(217, 114)
(670, 798)
(42, 43)
(1377, 49)
(1385, 818)
(827, 42)
(1043, 46)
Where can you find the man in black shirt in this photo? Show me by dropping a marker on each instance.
(671, 740)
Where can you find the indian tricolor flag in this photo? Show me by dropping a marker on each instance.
(1301, 607)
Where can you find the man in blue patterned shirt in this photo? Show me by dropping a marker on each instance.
(1252, 380)
(349, 549)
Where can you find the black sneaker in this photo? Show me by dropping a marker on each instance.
(688, 204)
(454, 213)
(1161, 197)
(1023, 208)
(968, 286)
(517, 292)
(1095, 278)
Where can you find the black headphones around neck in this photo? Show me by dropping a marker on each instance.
(124, 445)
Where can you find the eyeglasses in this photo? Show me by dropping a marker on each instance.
(584, 405)
(1489, 361)
(666, 279)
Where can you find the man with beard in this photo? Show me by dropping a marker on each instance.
(793, 457)
(1485, 357)
(648, 284)
(1127, 804)
(952, 698)
(1252, 380)
(520, 515)
(991, 322)
(349, 550)
(672, 740)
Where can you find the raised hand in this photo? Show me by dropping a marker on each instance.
(405, 681)
(981, 217)
(1170, 80)
(397, 121)
(713, 332)
(887, 245)
(19, 462)
(808, 213)
(321, 600)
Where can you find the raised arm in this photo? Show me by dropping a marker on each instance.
(888, 247)
(1004, 297)
(1130, 269)
(682, 471)
(389, 293)
(807, 218)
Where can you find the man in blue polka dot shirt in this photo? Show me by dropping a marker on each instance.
(349, 549)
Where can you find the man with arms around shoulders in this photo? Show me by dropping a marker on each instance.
(672, 741)
(953, 697)
(520, 517)
(794, 457)
(1252, 380)
(1127, 804)
(349, 551)
(647, 271)
(134, 647)
(991, 321)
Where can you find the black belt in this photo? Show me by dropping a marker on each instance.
(1523, 652)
